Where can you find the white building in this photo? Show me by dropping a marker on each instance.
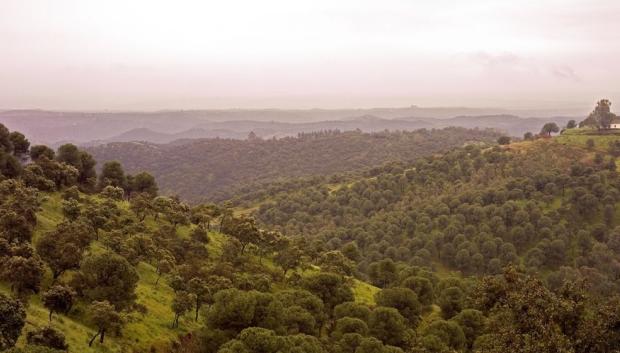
(615, 123)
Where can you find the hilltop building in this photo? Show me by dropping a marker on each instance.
(614, 123)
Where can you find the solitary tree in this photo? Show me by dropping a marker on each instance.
(182, 303)
(549, 128)
(165, 263)
(105, 318)
(58, 299)
(199, 288)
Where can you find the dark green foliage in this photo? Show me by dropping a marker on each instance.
(13, 320)
(296, 320)
(63, 248)
(527, 317)
(334, 261)
(423, 287)
(39, 151)
(549, 128)
(34, 177)
(69, 154)
(232, 310)
(449, 332)
(107, 277)
(6, 144)
(82, 161)
(330, 288)
(472, 322)
(181, 304)
(383, 273)
(112, 174)
(261, 340)
(388, 325)
(243, 229)
(352, 309)
(402, 299)
(451, 301)
(10, 167)
(24, 273)
(20, 143)
(349, 325)
(58, 299)
(308, 313)
(288, 258)
(142, 182)
(47, 337)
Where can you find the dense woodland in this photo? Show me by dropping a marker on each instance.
(216, 168)
(484, 248)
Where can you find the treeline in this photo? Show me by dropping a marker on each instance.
(215, 169)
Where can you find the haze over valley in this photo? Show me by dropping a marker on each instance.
(352, 176)
(91, 128)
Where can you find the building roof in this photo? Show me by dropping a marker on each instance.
(615, 120)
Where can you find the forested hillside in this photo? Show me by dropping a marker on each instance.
(484, 248)
(539, 205)
(215, 168)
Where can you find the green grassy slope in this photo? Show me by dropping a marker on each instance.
(143, 331)
(579, 137)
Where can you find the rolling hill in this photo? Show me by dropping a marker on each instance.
(214, 168)
(479, 248)
(90, 128)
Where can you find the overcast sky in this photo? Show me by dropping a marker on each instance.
(156, 54)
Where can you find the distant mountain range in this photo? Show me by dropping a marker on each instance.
(93, 128)
(509, 124)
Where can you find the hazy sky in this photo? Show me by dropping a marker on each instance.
(156, 54)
